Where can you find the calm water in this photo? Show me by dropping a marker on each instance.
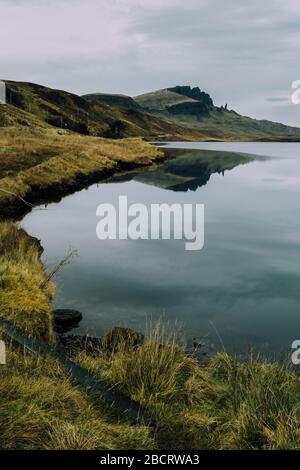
(245, 283)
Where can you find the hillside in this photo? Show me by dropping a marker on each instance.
(176, 100)
(41, 164)
(111, 116)
(195, 110)
(123, 101)
(178, 113)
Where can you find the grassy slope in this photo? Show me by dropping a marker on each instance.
(223, 405)
(232, 126)
(219, 124)
(147, 116)
(22, 300)
(90, 114)
(41, 409)
(34, 160)
(159, 100)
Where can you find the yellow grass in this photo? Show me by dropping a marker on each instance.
(225, 404)
(21, 274)
(42, 158)
(40, 408)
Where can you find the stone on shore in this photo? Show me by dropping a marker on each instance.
(121, 338)
(66, 319)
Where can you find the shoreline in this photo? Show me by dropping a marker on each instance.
(43, 167)
(224, 403)
(82, 161)
(56, 192)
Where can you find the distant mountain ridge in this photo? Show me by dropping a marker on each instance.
(175, 113)
(177, 100)
(193, 93)
(195, 110)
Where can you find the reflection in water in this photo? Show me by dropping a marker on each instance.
(187, 170)
(244, 282)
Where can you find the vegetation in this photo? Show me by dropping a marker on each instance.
(223, 404)
(40, 408)
(226, 404)
(22, 275)
(91, 114)
(178, 113)
(195, 111)
(34, 161)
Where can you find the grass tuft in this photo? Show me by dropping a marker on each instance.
(226, 404)
(40, 408)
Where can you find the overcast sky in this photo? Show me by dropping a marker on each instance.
(244, 53)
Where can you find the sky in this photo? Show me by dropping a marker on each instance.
(244, 53)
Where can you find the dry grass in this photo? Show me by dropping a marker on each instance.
(226, 404)
(21, 275)
(41, 409)
(43, 158)
(154, 371)
(39, 406)
(260, 404)
(223, 405)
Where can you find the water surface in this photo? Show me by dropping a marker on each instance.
(244, 284)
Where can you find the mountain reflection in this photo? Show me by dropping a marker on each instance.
(186, 170)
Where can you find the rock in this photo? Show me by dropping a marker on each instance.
(66, 319)
(73, 344)
(122, 338)
(115, 340)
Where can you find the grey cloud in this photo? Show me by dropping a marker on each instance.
(279, 99)
(244, 53)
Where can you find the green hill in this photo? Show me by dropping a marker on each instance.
(101, 115)
(123, 101)
(178, 113)
(195, 110)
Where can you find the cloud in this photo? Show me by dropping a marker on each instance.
(279, 99)
(242, 53)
